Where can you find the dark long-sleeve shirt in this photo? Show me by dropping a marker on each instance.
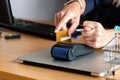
(102, 11)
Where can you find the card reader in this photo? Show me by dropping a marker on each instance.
(69, 50)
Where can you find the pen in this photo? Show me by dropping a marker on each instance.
(74, 36)
(79, 30)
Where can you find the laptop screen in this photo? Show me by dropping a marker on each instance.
(5, 12)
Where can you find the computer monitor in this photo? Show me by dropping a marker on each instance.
(6, 16)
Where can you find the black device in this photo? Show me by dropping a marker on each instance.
(69, 51)
(5, 12)
(11, 36)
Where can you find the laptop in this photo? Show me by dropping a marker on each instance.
(93, 64)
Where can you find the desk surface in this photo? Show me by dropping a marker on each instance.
(11, 70)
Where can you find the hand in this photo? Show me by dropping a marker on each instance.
(95, 35)
(70, 13)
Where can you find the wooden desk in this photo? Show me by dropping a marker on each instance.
(13, 48)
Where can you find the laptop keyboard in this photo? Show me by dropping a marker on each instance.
(39, 29)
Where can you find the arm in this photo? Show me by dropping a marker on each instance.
(71, 13)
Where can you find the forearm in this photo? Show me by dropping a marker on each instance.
(78, 4)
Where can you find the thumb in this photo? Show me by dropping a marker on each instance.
(87, 29)
(88, 26)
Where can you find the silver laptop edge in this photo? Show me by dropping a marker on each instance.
(43, 57)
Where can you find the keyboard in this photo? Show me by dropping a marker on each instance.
(38, 29)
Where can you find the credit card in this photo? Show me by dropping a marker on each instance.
(62, 36)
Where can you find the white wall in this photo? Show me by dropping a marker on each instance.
(36, 9)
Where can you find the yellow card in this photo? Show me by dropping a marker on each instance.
(62, 36)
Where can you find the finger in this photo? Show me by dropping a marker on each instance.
(55, 20)
(87, 29)
(92, 25)
(88, 33)
(89, 38)
(88, 26)
(94, 44)
(72, 28)
(64, 21)
(64, 27)
(91, 44)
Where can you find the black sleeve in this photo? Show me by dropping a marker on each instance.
(90, 5)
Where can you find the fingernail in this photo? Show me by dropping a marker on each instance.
(56, 30)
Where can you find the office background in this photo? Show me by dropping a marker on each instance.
(36, 9)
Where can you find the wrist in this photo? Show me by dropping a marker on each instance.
(81, 4)
(71, 1)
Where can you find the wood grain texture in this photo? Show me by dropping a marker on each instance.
(10, 49)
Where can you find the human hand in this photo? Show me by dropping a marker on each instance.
(70, 13)
(95, 35)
